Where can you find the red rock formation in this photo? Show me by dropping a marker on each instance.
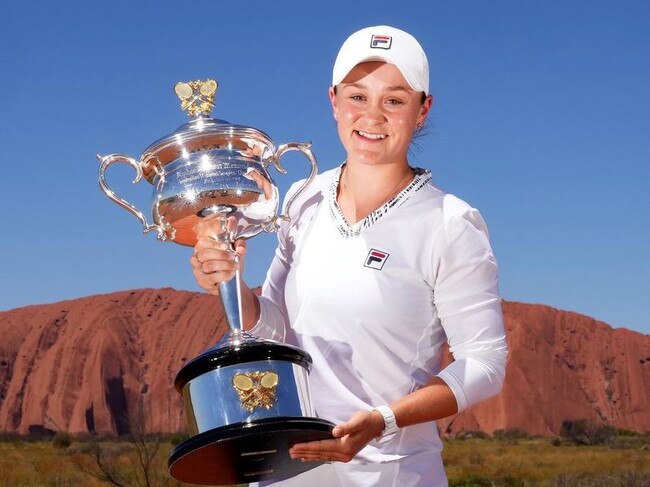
(91, 363)
(565, 366)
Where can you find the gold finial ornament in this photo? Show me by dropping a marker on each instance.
(256, 389)
(197, 97)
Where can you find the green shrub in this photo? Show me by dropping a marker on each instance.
(474, 480)
(471, 481)
(628, 479)
(583, 432)
(603, 435)
(625, 432)
(471, 435)
(177, 438)
(62, 439)
(510, 434)
(510, 481)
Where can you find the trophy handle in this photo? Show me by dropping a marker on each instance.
(106, 161)
(305, 148)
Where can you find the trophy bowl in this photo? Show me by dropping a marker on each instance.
(247, 402)
(208, 166)
(246, 399)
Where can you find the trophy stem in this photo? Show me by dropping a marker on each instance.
(230, 293)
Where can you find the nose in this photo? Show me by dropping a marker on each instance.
(375, 112)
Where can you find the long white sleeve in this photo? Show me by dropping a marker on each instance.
(467, 299)
(273, 322)
(273, 316)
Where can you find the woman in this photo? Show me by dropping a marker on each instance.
(376, 271)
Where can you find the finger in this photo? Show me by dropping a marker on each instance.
(205, 255)
(240, 246)
(333, 457)
(217, 266)
(213, 272)
(209, 226)
(218, 270)
(196, 267)
(356, 423)
(252, 174)
(215, 226)
(313, 459)
(210, 282)
(258, 177)
(231, 224)
(261, 182)
(315, 447)
(325, 456)
(339, 431)
(210, 243)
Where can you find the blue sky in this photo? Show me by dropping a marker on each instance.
(541, 120)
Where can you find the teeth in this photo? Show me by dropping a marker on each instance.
(371, 136)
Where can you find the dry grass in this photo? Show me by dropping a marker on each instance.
(469, 463)
(40, 463)
(540, 462)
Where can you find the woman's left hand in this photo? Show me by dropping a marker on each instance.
(349, 438)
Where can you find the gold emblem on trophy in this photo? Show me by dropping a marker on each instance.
(256, 389)
(197, 97)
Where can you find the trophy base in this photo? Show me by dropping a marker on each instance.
(246, 452)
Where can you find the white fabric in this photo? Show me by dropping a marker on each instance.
(376, 335)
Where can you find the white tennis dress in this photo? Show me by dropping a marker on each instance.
(373, 305)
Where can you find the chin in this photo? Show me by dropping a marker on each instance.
(370, 158)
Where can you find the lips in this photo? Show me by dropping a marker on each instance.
(370, 136)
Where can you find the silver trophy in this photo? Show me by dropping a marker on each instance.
(246, 399)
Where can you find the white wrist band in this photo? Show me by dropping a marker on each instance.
(390, 423)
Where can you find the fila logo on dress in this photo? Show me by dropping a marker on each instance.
(376, 259)
(381, 42)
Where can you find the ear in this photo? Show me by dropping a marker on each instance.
(332, 95)
(424, 110)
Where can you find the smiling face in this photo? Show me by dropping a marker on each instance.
(377, 113)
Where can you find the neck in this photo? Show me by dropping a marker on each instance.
(365, 188)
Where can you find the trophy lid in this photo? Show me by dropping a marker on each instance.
(202, 132)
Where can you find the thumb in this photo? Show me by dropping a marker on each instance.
(347, 428)
(341, 430)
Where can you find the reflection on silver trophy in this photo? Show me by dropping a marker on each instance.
(246, 399)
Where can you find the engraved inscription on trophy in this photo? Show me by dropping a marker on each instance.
(208, 169)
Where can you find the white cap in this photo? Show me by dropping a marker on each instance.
(388, 44)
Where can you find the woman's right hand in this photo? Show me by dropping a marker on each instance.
(214, 261)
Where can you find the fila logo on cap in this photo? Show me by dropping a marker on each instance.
(376, 259)
(381, 42)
